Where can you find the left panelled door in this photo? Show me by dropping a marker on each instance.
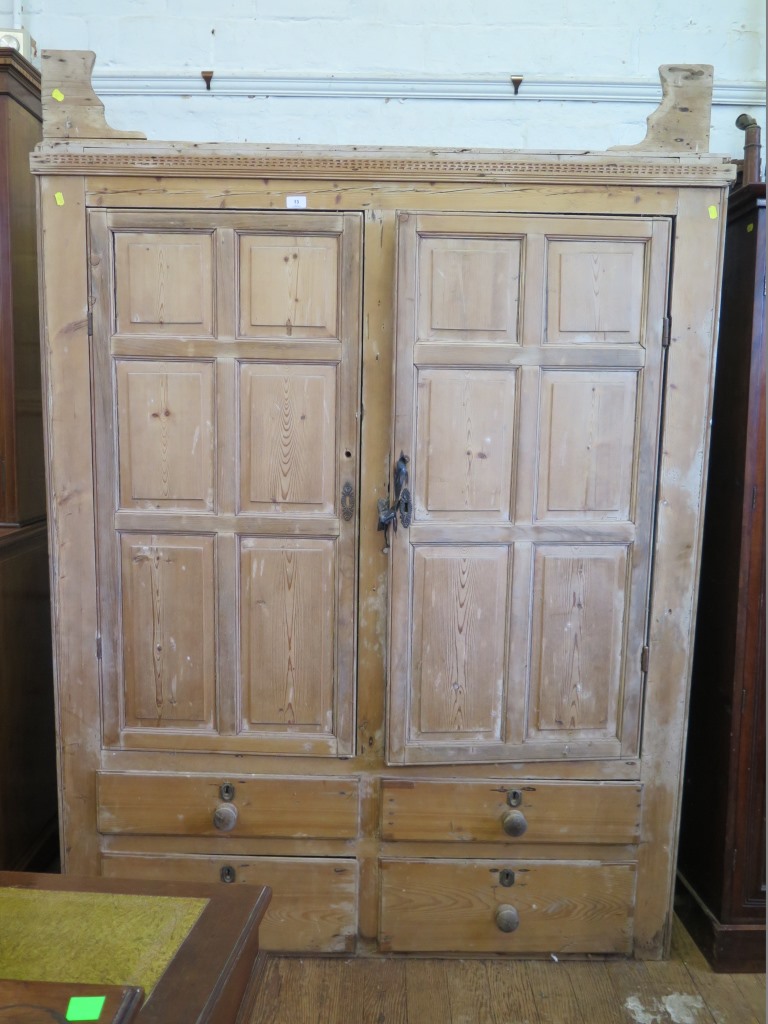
(225, 365)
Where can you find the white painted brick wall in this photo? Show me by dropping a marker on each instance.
(562, 40)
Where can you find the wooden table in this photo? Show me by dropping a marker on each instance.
(48, 1002)
(192, 949)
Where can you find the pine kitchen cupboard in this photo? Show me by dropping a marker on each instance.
(463, 736)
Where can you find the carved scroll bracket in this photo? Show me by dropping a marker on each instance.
(71, 109)
(681, 122)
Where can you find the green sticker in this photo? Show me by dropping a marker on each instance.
(85, 1007)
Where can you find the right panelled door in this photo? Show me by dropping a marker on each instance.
(528, 388)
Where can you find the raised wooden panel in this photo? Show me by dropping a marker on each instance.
(464, 443)
(287, 642)
(528, 442)
(595, 290)
(288, 438)
(577, 640)
(587, 443)
(166, 434)
(459, 611)
(268, 807)
(288, 286)
(168, 616)
(468, 289)
(472, 811)
(249, 433)
(314, 899)
(451, 906)
(164, 282)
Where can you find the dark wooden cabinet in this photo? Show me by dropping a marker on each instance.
(22, 467)
(721, 872)
(27, 735)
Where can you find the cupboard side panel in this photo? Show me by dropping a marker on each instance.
(67, 376)
(694, 306)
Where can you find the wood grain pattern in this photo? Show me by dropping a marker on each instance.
(458, 668)
(464, 444)
(288, 286)
(66, 372)
(578, 617)
(720, 992)
(166, 434)
(472, 811)
(498, 991)
(300, 989)
(448, 906)
(553, 991)
(168, 612)
(286, 634)
(301, 807)
(314, 899)
(484, 222)
(288, 430)
(221, 417)
(164, 282)
(75, 112)
(586, 462)
(469, 289)
(688, 400)
(543, 433)
(594, 291)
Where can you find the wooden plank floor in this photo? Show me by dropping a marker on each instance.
(683, 990)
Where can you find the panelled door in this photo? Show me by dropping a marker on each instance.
(527, 400)
(225, 353)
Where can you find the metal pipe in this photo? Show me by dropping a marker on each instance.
(751, 169)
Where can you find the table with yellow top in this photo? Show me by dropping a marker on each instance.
(111, 950)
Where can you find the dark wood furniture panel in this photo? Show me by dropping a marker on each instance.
(28, 801)
(721, 891)
(22, 467)
(42, 1002)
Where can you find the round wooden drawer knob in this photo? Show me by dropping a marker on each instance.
(514, 823)
(225, 817)
(507, 918)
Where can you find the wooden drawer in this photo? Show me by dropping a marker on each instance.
(540, 812)
(314, 899)
(431, 906)
(172, 805)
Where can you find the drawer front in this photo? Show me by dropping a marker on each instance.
(314, 900)
(194, 805)
(462, 906)
(510, 812)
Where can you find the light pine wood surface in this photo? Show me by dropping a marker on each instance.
(244, 665)
(682, 990)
